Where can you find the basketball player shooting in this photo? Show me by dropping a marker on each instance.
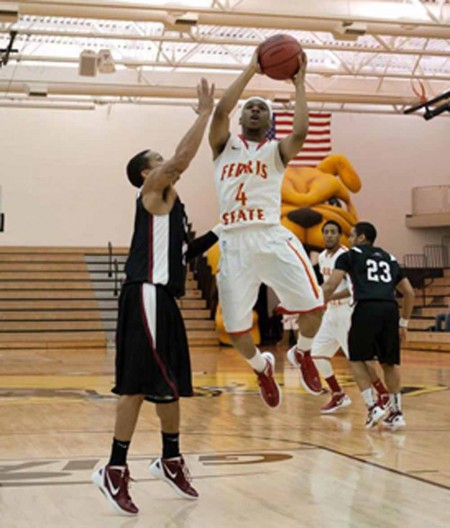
(254, 247)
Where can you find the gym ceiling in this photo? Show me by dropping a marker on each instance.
(364, 56)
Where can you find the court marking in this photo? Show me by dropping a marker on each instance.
(301, 446)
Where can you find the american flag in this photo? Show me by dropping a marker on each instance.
(317, 145)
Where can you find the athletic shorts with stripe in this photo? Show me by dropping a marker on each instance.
(271, 255)
(152, 355)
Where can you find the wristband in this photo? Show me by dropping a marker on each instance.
(403, 323)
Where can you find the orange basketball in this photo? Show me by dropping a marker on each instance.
(278, 57)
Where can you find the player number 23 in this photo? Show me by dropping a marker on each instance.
(377, 271)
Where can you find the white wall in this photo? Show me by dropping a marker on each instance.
(63, 179)
(393, 154)
(63, 172)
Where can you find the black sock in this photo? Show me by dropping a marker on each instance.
(119, 453)
(171, 447)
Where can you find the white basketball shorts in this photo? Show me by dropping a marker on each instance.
(333, 331)
(272, 255)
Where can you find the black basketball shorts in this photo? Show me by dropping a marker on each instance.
(152, 355)
(374, 332)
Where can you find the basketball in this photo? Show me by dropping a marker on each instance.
(278, 57)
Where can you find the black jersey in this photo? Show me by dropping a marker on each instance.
(374, 272)
(157, 253)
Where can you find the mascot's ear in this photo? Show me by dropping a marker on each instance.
(305, 217)
(339, 165)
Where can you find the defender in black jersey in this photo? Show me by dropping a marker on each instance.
(376, 329)
(152, 358)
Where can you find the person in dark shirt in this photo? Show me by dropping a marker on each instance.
(376, 330)
(152, 356)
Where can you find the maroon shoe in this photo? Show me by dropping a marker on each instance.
(338, 401)
(268, 387)
(394, 421)
(113, 482)
(375, 414)
(174, 472)
(309, 375)
(383, 400)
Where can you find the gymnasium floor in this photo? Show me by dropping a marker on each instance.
(254, 467)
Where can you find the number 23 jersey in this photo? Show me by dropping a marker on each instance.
(248, 178)
(374, 272)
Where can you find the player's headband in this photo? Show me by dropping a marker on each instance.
(261, 100)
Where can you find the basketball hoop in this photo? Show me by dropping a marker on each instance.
(421, 93)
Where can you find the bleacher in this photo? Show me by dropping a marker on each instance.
(429, 273)
(67, 297)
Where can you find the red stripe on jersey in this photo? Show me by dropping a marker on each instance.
(242, 138)
(262, 143)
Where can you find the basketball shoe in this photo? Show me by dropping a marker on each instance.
(338, 400)
(383, 400)
(174, 472)
(268, 387)
(375, 414)
(309, 376)
(113, 482)
(394, 421)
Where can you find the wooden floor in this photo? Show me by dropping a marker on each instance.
(254, 467)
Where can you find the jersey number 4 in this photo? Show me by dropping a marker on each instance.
(240, 195)
(378, 271)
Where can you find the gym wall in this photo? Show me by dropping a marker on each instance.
(63, 172)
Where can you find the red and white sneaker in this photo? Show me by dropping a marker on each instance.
(174, 472)
(268, 387)
(394, 421)
(338, 400)
(113, 482)
(375, 414)
(384, 400)
(309, 375)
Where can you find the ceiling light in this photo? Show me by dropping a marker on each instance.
(37, 90)
(105, 61)
(182, 22)
(349, 30)
(87, 67)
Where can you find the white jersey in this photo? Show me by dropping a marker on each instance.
(248, 179)
(327, 263)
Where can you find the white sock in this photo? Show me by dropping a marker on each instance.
(396, 402)
(257, 362)
(324, 367)
(368, 397)
(304, 343)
